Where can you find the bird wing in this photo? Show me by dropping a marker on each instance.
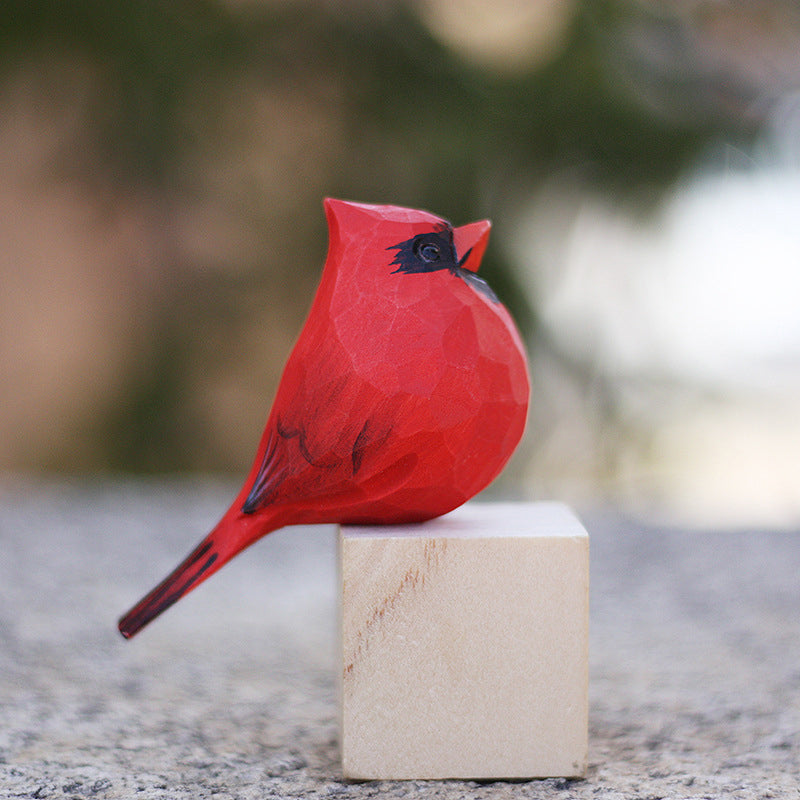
(325, 421)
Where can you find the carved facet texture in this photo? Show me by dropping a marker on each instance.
(405, 395)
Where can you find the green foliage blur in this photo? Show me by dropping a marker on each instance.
(165, 91)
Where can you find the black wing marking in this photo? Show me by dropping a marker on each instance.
(267, 479)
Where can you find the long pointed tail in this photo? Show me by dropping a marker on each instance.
(195, 568)
(229, 537)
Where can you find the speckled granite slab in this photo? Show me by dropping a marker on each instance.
(694, 653)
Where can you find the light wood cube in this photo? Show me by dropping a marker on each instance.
(464, 645)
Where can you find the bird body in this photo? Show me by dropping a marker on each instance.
(404, 396)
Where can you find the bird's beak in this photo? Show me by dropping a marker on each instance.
(470, 242)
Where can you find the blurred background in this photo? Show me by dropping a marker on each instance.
(162, 165)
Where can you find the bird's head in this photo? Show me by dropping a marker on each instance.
(402, 240)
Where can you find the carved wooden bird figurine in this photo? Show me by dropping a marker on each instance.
(405, 395)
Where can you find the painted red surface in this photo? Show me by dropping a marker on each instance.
(405, 395)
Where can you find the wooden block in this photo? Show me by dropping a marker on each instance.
(465, 645)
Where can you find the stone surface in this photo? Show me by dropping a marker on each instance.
(694, 660)
(465, 645)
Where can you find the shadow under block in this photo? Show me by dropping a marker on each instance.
(465, 645)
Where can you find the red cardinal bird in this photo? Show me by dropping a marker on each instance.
(404, 396)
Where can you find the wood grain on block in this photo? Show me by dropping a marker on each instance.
(465, 645)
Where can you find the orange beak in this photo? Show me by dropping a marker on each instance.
(470, 242)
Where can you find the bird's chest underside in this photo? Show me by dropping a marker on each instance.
(407, 341)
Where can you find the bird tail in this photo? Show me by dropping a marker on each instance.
(232, 535)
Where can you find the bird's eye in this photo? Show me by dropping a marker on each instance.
(428, 251)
